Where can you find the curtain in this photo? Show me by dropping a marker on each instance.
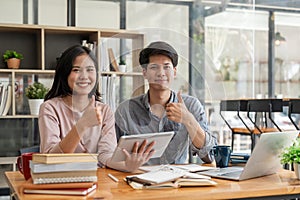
(216, 40)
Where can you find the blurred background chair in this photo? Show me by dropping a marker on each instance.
(241, 126)
(261, 114)
(294, 112)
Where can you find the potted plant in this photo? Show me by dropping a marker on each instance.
(35, 94)
(122, 65)
(12, 58)
(291, 155)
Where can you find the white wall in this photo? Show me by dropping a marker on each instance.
(97, 14)
(52, 12)
(89, 13)
(11, 11)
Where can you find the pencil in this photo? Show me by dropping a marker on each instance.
(113, 178)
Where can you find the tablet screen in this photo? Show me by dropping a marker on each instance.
(161, 139)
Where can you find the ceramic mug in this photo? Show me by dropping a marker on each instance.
(24, 164)
(222, 155)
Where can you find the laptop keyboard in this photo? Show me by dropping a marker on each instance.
(229, 170)
(232, 174)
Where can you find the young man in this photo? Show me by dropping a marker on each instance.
(162, 109)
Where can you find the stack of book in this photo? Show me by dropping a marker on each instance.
(236, 158)
(63, 168)
(62, 174)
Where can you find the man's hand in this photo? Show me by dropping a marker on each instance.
(177, 112)
(140, 155)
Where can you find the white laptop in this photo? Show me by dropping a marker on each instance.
(264, 160)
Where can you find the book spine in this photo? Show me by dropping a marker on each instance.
(65, 180)
(62, 167)
(63, 158)
(3, 98)
(112, 60)
(1, 90)
(8, 101)
(238, 161)
(239, 157)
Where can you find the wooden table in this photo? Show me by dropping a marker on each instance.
(272, 186)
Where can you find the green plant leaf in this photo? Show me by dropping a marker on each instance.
(11, 54)
(291, 154)
(36, 91)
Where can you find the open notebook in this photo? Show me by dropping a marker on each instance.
(264, 160)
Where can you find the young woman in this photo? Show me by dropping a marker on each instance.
(72, 118)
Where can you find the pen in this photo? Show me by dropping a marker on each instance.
(113, 178)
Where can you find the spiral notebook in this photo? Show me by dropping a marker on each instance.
(65, 180)
(65, 177)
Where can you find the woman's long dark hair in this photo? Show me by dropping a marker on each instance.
(60, 86)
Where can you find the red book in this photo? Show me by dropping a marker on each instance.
(59, 188)
(63, 191)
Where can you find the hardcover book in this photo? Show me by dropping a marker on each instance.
(59, 188)
(67, 191)
(52, 158)
(239, 157)
(62, 167)
(4, 96)
(112, 60)
(236, 158)
(7, 102)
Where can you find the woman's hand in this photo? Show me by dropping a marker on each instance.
(91, 117)
(139, 155)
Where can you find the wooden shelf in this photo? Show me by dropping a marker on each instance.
(122, 73)
(19, 117)
(42, 45)
(27, 71)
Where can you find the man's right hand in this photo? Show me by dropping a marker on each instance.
(140, 154)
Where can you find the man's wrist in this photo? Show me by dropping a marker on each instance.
(187, 120)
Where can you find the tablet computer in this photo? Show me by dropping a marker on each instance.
(161, 139)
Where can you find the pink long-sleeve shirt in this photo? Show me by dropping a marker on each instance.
(56, 119)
